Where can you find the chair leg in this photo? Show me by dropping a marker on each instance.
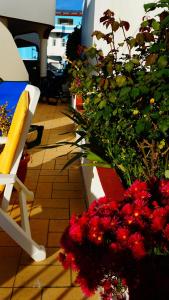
(36, 251)
(7, 196)
(21, 187)
(24, 213)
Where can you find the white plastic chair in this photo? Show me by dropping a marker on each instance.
(20, 234)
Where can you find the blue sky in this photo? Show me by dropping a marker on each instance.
(69, 4)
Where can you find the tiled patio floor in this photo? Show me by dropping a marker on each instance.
(57, 196)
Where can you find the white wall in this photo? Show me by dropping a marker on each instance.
(12, 67)
(129, 10)
(41, 11)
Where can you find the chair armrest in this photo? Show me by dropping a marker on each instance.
(3, 140)
(7, 178)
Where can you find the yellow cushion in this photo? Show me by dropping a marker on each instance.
(15, 132)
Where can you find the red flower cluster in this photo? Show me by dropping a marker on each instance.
(105, 241)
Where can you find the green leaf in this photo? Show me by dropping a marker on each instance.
(167, 174)
(73, 159)
(94, 157)
(164, 124)
(165, 22)
(129, 66)
(162, 61)
(125, 91)
(155, 25)
(149, 6)
(142, 126)
(112, 98)
(102, 104)
(120, 80)
(135, 61)
(135, 92)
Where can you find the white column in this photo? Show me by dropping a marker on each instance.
(43, 57)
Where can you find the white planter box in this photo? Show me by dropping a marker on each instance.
(93, 186)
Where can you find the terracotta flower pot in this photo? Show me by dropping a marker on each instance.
(23, 165)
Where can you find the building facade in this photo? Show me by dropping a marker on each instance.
(30, 25)
(65, 22)
(131, 11)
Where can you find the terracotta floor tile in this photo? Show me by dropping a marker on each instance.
(26, 293)
(52, 203)
(54, 172)
(39, 230)
(77, 206)
(45, 138)
(8, 268)
(36, 159)
(42, 276)
(51, 258)
(44, 190)
(13, 252)
(67, 186)
(58, 225)
(75, 176)
(32, 178)
(5, 293)
(49, 213)
(49, 165)
(69, 293)
(5, 240)
(54, 239)
(9, 260)
(55, 178)
(67, 194)
(57, 192)
(49, 153)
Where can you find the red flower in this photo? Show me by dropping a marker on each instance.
(135, 188)
(135, 238)
(127, 209)
(84, 286)
(105, 222)
(164, 187)
(107, 285)
(158, 223)
(122, 234)
(95, 235)
(76, 233)
(110, 236)
(115, 247)
(138, 250)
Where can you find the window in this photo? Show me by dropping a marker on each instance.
(54, 42)
(65, 21)
(63, 43)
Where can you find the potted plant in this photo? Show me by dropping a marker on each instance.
(125, 121)
(118, 244)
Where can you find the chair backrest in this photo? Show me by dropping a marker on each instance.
(14, 135)
(32, 93)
